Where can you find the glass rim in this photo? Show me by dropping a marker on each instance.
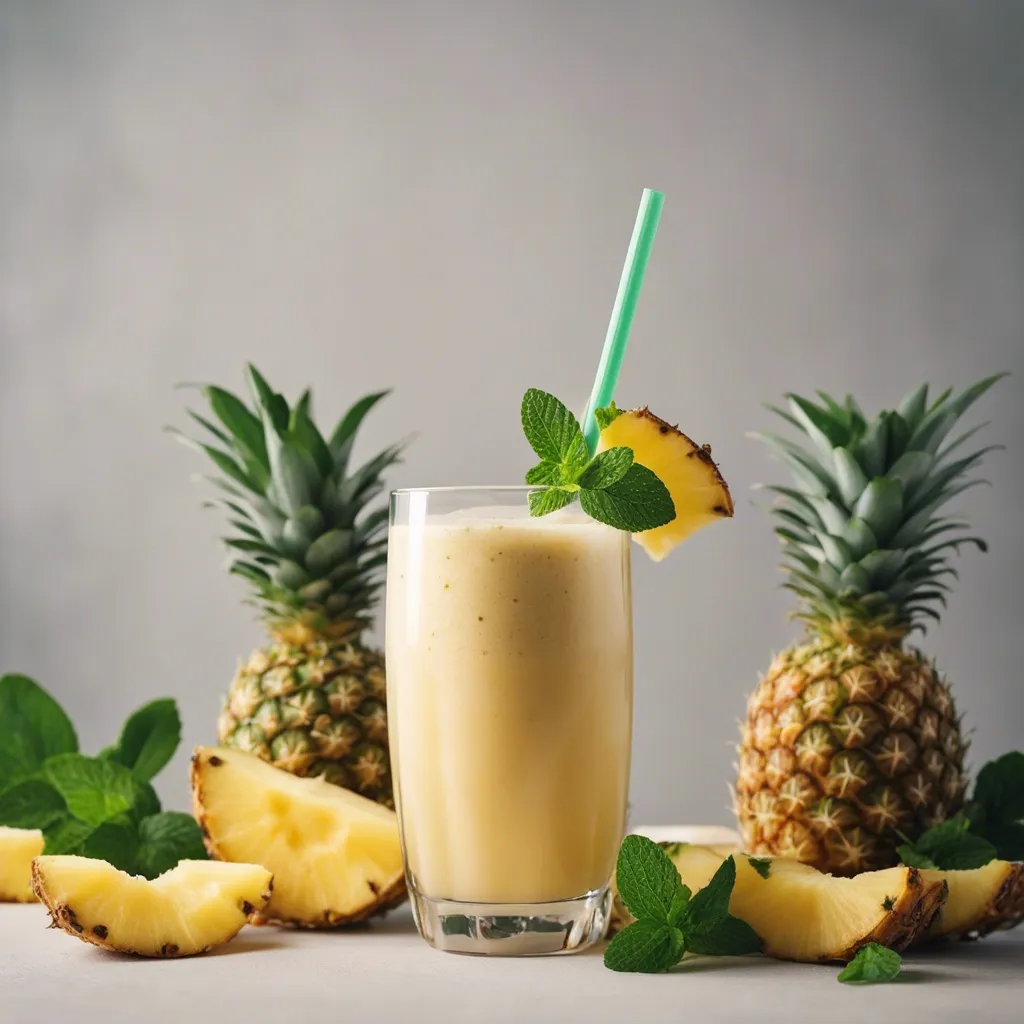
(520, 488)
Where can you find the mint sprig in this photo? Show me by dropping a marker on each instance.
(991, 827)
(873, 963)
(612, 488)
(103, 807)
(670, 921)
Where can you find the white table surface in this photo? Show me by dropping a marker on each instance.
(386, 973)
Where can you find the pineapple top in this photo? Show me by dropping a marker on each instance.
(303, 532)
(863, 538)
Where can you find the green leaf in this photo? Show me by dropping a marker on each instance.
(849, 476)
(999, 788)
(293, 476)
(328, 550)
(730, 937)
(243, 424)
(273, 406)
(678, 908)
(31, 803)
(303, 432)
(344, 435)
(165, 839)
(873, 963)
(223, 461)
(646, 947)
(116, 842)
(95, 790)
(762, 865)
(914, 858)
(552, 430)
(646, 878)
(825, 429)
(948, 846)
(637, 502)
(859, 537)
(148, 738)
(146, 801)
(911, 468)
(606, 468)
(710, 906)
(549, 500)
(33, 727)
(66, 835)
(881, 506)
(913, 407)
(605, 417)
(547, 473)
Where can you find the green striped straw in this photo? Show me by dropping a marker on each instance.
(622, 312)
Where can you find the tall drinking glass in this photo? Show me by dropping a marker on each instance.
(510, 699)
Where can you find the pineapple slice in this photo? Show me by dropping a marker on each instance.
(980, 901)
(802, 914)
(698, 491)
(190, 909)
(17, 848)
(336, 856)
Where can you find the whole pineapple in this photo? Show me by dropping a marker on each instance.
(852, 735)
(307, 539)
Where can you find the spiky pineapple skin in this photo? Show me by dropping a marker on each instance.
(314, 706)
(843, 745)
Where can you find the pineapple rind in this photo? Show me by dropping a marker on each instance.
(18, 847)
(306, 831)
(188, 910)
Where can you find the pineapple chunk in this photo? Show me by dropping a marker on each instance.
(336, 856)
(190, 909)
(17, 848)
(802, 914)
(980, 901)
(698, 491)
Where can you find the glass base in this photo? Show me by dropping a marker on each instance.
(513, 929)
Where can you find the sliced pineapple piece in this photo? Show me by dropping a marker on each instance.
(802, 914)
(17, 848)
(700, 494)
(980, 901)
(190, 909)
(335, 855)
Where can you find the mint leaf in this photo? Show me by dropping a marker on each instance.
(679, 901)
(32, 803)
(166, 838)
(66, 835)
(553, 431)
(148, 739)
(146, 801)
(710, 906)
(872, 963)
(606, 468)
(550, 500)
(637, 502)
(762, 865)
(729, 937)
(607, 415)
(999, 789)
(33, 727)
(647, 880)
(948, 846)
(648, 947)
(549, 473)
(116, 842)
(95, 790)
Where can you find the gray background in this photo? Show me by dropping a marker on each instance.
(438, 197)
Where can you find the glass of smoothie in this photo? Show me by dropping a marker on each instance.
(510, 697)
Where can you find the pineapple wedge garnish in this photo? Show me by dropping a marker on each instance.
(18, 846)
(699, 493)
(802, 914)
(335, 855)
(980, 901)
(190, 909)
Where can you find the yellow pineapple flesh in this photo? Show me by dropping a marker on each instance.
(802, 914)
(980, 900)
(699, 493)
(336, 856)
(190, 909)
(18, 846)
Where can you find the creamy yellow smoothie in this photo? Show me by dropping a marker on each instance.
(510, 696)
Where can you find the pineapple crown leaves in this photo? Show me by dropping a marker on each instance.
(861, 531)
(305, 533)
